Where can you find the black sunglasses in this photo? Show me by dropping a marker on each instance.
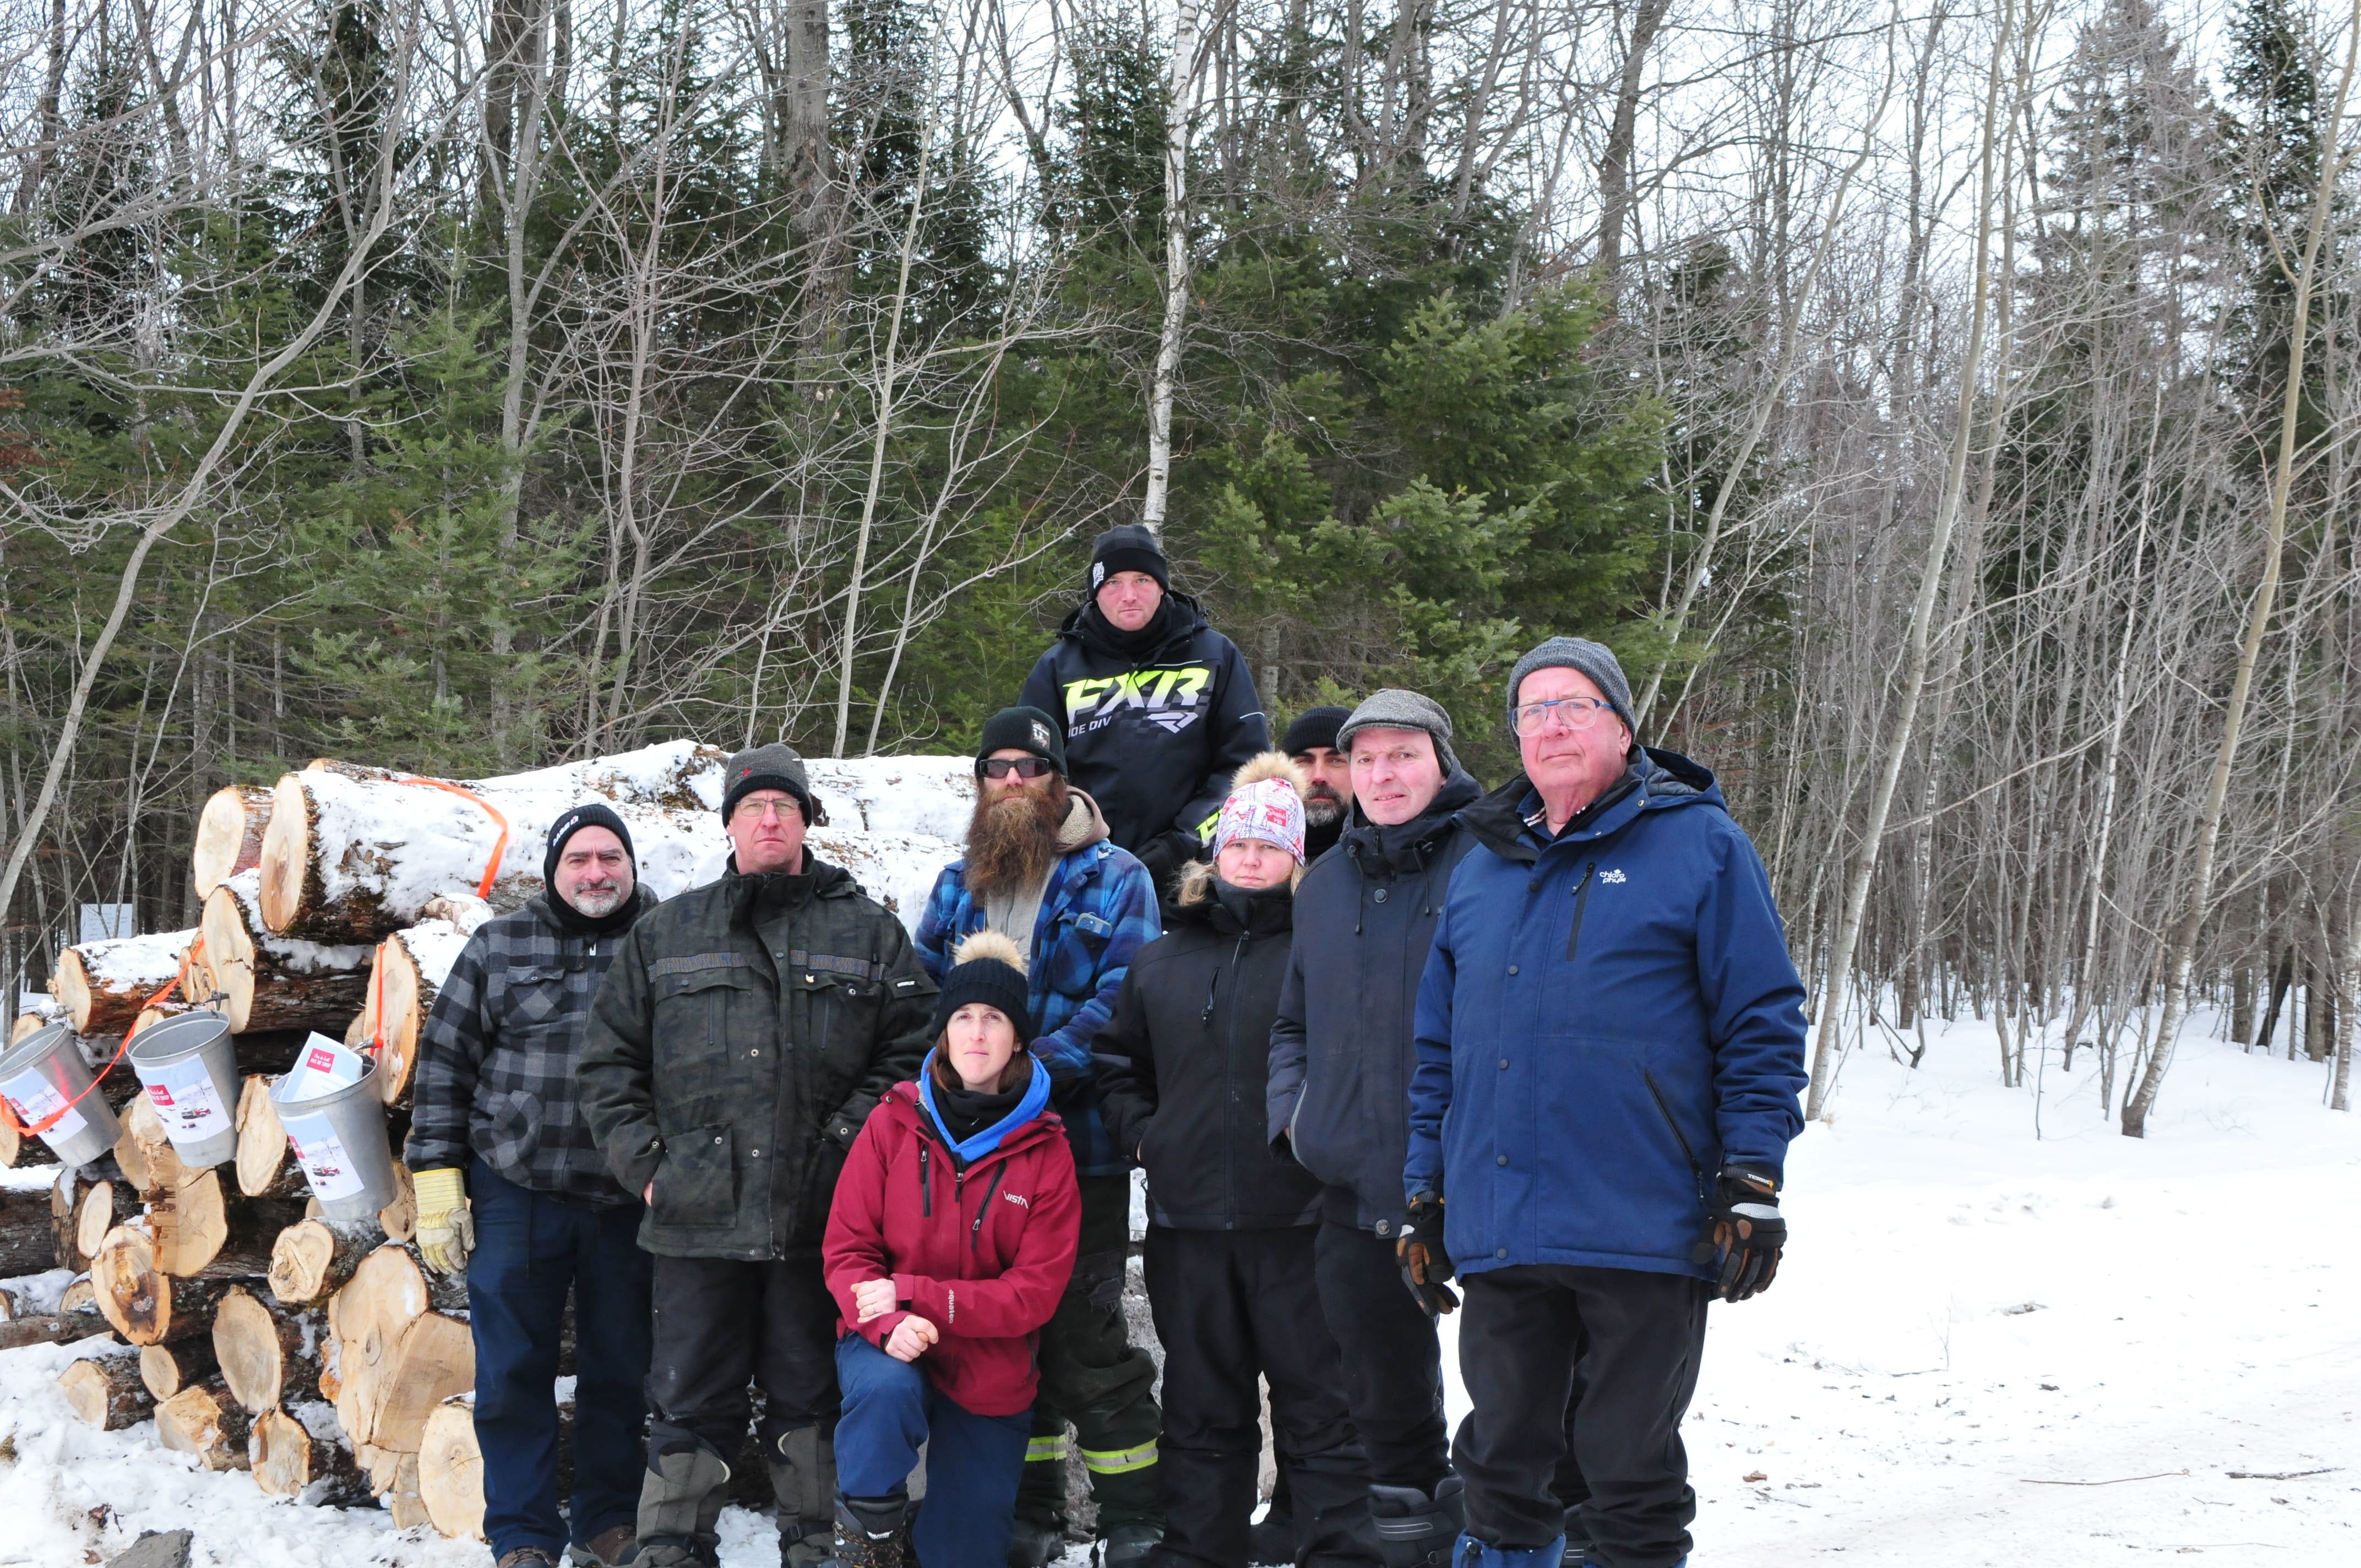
(1023, 767)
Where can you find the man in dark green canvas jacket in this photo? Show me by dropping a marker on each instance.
(744, 1034)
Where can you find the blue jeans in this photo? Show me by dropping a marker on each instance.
(530, 1249)
(973, 1462)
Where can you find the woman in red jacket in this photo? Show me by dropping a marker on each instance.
(950, 1241)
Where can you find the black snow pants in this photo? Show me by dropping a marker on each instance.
(1635, 1339)
(721, 1323)
(1231, 1306)
(1092, 1375)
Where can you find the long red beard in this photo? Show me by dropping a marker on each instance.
(1011, 840)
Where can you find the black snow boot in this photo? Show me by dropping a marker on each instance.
(872, 1532)
(1416, 1530)
(1032, 1545)
(1273, 1544)
(1128, 1545)
(1577, 1541)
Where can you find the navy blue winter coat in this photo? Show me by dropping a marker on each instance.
(1342, 1051)
(1605, 1019)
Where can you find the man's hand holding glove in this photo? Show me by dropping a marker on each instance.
(447, 1230)
(1748, 1232)
(1424, 1263)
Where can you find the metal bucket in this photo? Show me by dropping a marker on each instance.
(44, 1071)
(339, 1139)
(189, 1065)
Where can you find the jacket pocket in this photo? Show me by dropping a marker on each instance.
(513, 1128)
(1074, 957)
(698, 1183)
(693, 1028)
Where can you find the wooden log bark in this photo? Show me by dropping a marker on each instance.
(102, 985)
(269, 982)
(49, 1328)
(206, 1420)
(28, 1239)
(203, 1231)
(289, 1462)
(396, 1358)
(451, 1470)
(105, 1391)
(166, 1369)
(268, 1354)
(312, 1259)
(355, 854)
(144, 1304)
(229, 836)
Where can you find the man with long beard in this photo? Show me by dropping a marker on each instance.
(1040, 869)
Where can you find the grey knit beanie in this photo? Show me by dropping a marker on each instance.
(1589, 658)
(1394, 709)
(776, 766)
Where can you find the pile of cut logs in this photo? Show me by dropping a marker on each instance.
(322, 1357)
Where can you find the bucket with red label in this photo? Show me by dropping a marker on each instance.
(48, 1086)
(189, 1066)
(336, 1123)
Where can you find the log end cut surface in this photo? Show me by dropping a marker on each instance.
(105, 1391)
(286, 852)
(451, 1472)
(229, 834)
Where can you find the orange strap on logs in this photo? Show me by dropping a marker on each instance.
(499, 845)
(8, 1112)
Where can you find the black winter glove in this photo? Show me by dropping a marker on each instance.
(1748, 1232)
(1424, 1263)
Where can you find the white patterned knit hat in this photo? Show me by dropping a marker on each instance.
(1267, 803)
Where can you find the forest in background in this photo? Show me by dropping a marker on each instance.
(1946, 412)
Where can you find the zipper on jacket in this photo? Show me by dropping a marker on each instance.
(1697, 1172)
(1581, 901)
(1230, 1083)
(926, 1186)
(999, 1169)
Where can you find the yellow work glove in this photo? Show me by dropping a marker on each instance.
(446, 1233)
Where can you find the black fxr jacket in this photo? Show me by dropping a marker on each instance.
(1156, 722)
(1185, 1062)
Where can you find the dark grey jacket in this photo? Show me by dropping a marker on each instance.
(1341, 1050)
(745, 1031)
(499, 1053)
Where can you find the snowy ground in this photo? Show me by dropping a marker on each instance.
(1969, 1319)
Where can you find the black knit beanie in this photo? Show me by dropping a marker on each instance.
(597, 814)
(986, 968)
(1314, 726)
(1129, 548)
(1022, 729)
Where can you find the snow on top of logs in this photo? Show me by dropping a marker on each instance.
(435, 946)
(124, 963)
(243, 927)
(355, 853)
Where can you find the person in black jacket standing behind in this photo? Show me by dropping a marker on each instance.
(1341, 1055)
(1229, 1256)
(1159, 708)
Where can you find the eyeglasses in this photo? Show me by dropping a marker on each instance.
(1023, 767)
(1573, 713)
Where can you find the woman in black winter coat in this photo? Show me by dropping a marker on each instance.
(1228, 1256)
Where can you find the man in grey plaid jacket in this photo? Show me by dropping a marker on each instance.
(495, 1108)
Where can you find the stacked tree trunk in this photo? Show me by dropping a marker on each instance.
(321, 1355)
